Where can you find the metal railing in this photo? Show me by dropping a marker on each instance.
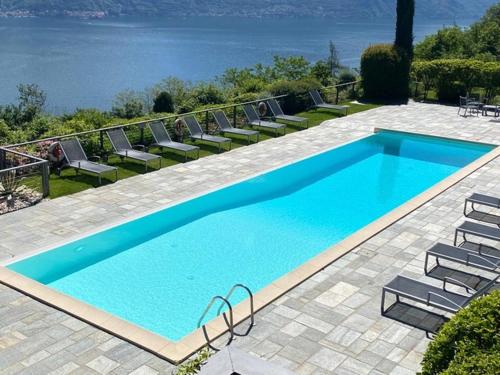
(23, 176)
(142, 124)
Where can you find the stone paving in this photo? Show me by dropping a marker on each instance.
(329, 324)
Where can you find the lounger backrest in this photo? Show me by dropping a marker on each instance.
(484, 290)
(250, 113)
(275, 107)
(72, 150)
(222, 120)
(193, 125)
(119, 139)
(159, 132)
(463, 101)
(316, 97)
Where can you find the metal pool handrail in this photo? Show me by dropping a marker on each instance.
(252, 311)
(230, 323)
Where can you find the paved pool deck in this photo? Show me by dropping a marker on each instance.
(329, 324)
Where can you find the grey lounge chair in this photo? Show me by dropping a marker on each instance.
(482, 200)
(162, 139)
(254, 120)
(320, 103)
(197, 133)
(438, 297)
(469, 228)
(76, 158)
(124, 149)
(280, 115)
(462, 256)
(226, 127)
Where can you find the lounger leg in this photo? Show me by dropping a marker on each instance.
(185, 156)
(146, 164)
(116, 175)
(99, 179)
(456, 237)
(230, 145)
(382, 309)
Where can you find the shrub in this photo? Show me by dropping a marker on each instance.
(450, 91)
(469, 343)
(454, 77)
(385, 72)
(298, 99)
(4, 133)
(208, 93)
(163, 103)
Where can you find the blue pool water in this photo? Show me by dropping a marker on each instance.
(160, 271)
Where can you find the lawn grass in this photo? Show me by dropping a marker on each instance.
(69, 182)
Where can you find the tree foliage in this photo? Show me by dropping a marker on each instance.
(163, 103)
(405, 12)
(480, 41)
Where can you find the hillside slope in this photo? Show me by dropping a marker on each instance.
(256, 8)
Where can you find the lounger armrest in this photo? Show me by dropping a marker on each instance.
(480, 251)
(95, 158)
(429, 294)
(140, 147)
(451, 280)
(470, 255)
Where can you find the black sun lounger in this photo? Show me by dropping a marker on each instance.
(482, 200)
(254, 120)
(462, 256)
(162, 139)
(226, 127)
(468, 228)
(320, 103)
(280, 115)
(197, 133)
(76, 158)
(433, 296)
(124, 149)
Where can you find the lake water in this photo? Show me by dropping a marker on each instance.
(84, 63)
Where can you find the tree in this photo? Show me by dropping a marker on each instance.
(290, 68)
(163, 103)
(322, 72)
(333, 60)
(481, 41)
(404, 26)
(128, 104)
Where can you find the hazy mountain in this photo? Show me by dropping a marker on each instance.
(255, 8)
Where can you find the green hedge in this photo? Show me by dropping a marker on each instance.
(469, 343)
(298, 98)
(385, 72)
(454, 77)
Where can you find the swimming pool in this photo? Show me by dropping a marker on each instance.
(160, 271)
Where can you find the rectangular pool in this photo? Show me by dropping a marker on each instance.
(160, 271)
